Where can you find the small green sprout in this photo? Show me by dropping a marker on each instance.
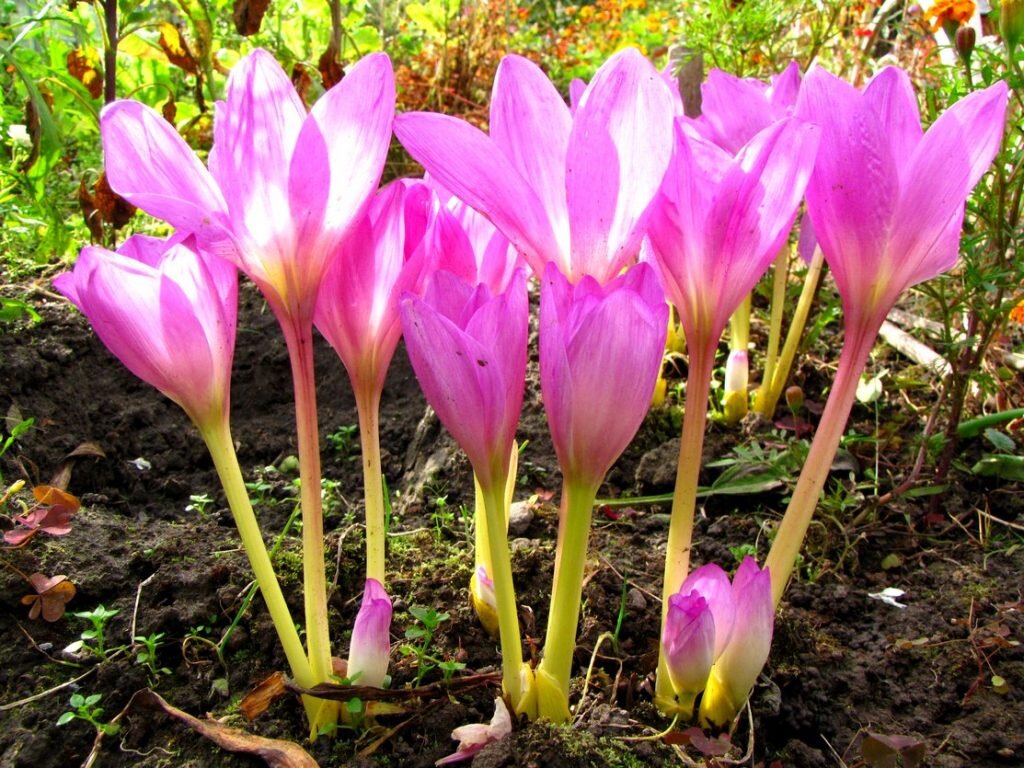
(84, 708)
(93, 640)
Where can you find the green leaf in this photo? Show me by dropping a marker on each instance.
(1002, 466)
(77, 700)
(1000, 440)
(66, 718)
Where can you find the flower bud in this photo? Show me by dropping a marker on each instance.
(1011, 22)
(689, 645)
(794, 398)
(965, 40)
(485, 604)
(371, 637)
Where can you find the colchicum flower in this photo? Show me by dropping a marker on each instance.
(281, 193)
(371, 639)
(715, 228)
(600, 353)
(468, 350)
(473, 738)
(565, 186)
(887, 204)
(168, 311)
(717, 638)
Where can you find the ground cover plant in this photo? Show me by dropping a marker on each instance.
(595, 529)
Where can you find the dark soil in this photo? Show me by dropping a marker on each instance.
(843, 664)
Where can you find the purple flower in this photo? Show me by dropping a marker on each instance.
(600, 353)
(570, 187)
(468, 349)
(167, 311)
(283, 187)
(371, 638)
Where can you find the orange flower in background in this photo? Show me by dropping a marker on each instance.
(949, 12)
(1017, 313)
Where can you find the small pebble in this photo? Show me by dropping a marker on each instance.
(635, 599)
(520, 517)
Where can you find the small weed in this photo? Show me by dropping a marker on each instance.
(93, 640)
(147, 656)
(200, 504)
(420, 637)
(344, 441)
(84, 708)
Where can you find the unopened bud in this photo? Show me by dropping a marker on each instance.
(965, 40)
(794, 398)
(1011, 22)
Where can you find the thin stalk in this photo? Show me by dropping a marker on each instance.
(780, 276)
(368, 406)
(504, 593)
(790, 535)
(298, 336)
(222, 450)
(684, 497)
(566, 595)
(793, 337)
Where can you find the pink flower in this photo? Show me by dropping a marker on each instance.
(571, 187)
(740, 661)
(600, 353)
(468, 349)
(689, 642)
(720, 220)
(717, 637)
(283, 187)
(473, 738)
(167, 311)
(371, 638)
(390, 251)
(886, 199)
(735, 109)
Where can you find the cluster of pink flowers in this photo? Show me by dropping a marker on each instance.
(616, 204)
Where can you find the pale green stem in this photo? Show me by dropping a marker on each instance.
(739, 326)
(566, 594)
(779, 278)
(766, 406)
(299, 338)
(790, 535)
(684, 498)
(504, 591)
(482, 545)
(368, 406)
(222, 450)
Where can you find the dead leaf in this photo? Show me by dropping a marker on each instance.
(84, 65)
(266, 692)
(277, 753)
(170, 110)
(115, 210)
(176, 49)
(92, 217)
(248, 15)
(331, 71)
(53, 593)
(52, 514)
(302, 82)
(62, 476)
(883, 751)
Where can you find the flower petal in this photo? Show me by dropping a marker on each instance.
(531, 124)
(469, 163)
(371, 637)
(619, 150)
(151, 166)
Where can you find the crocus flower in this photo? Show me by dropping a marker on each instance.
(473, 738)
(371, 639)
(283, 186)
(600, 353)
(887, 203)
(746, 650)
(468, 349)
(570, 187)
(167, 312)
